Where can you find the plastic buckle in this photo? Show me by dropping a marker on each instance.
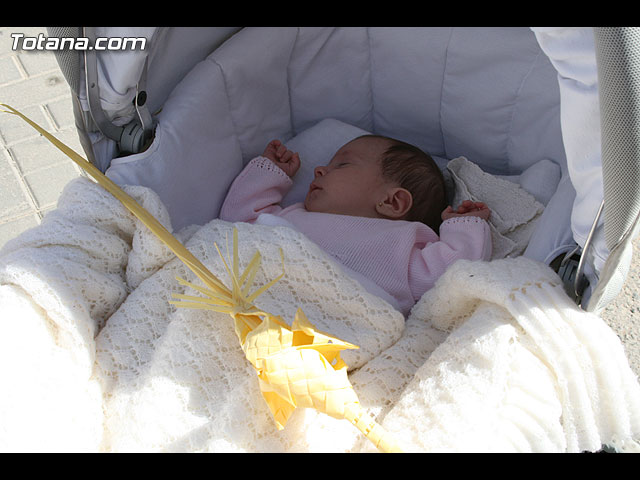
(567, 272)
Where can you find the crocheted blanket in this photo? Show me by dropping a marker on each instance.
(94, 358)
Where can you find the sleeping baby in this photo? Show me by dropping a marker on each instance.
(378, 208)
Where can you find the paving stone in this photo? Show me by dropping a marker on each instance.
(61, 112)
(39, 153)
(38, 62)
(36, 90)
(13, 129)
(15, 227)
(14, 202)
(47, 183)
(8, 70)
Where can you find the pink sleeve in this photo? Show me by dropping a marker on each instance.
(258, 189)
(460, 238)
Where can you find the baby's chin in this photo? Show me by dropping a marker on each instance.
(316, 205)
(309, 206)
(313, 205)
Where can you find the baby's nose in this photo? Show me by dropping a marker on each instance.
(319, 171)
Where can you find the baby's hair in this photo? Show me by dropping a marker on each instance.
(414, 170)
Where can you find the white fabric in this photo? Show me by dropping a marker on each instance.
(572, 53)
(514, 211)
(195, 149)
(494, 358)
(541, 180)
(523, 370)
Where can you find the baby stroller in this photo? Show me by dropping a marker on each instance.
(115, 96)
(552, 110)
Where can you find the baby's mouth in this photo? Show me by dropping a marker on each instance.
(313, 187)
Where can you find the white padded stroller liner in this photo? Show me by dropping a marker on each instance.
(488, 94)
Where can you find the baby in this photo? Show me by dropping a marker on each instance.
(376, 207)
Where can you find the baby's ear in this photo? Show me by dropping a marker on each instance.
(397, 204)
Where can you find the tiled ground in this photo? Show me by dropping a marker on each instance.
(32, 171)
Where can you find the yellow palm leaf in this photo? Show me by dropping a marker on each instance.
(296, 367)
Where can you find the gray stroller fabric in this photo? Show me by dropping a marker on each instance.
(618, 54)
(618, 58)
(70, 61)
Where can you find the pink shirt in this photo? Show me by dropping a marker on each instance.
(403, 258)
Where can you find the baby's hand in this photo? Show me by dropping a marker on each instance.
(467, 209)
(284, 158)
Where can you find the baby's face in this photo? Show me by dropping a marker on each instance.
(352, 182)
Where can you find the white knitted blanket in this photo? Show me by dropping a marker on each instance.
(94, 358)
